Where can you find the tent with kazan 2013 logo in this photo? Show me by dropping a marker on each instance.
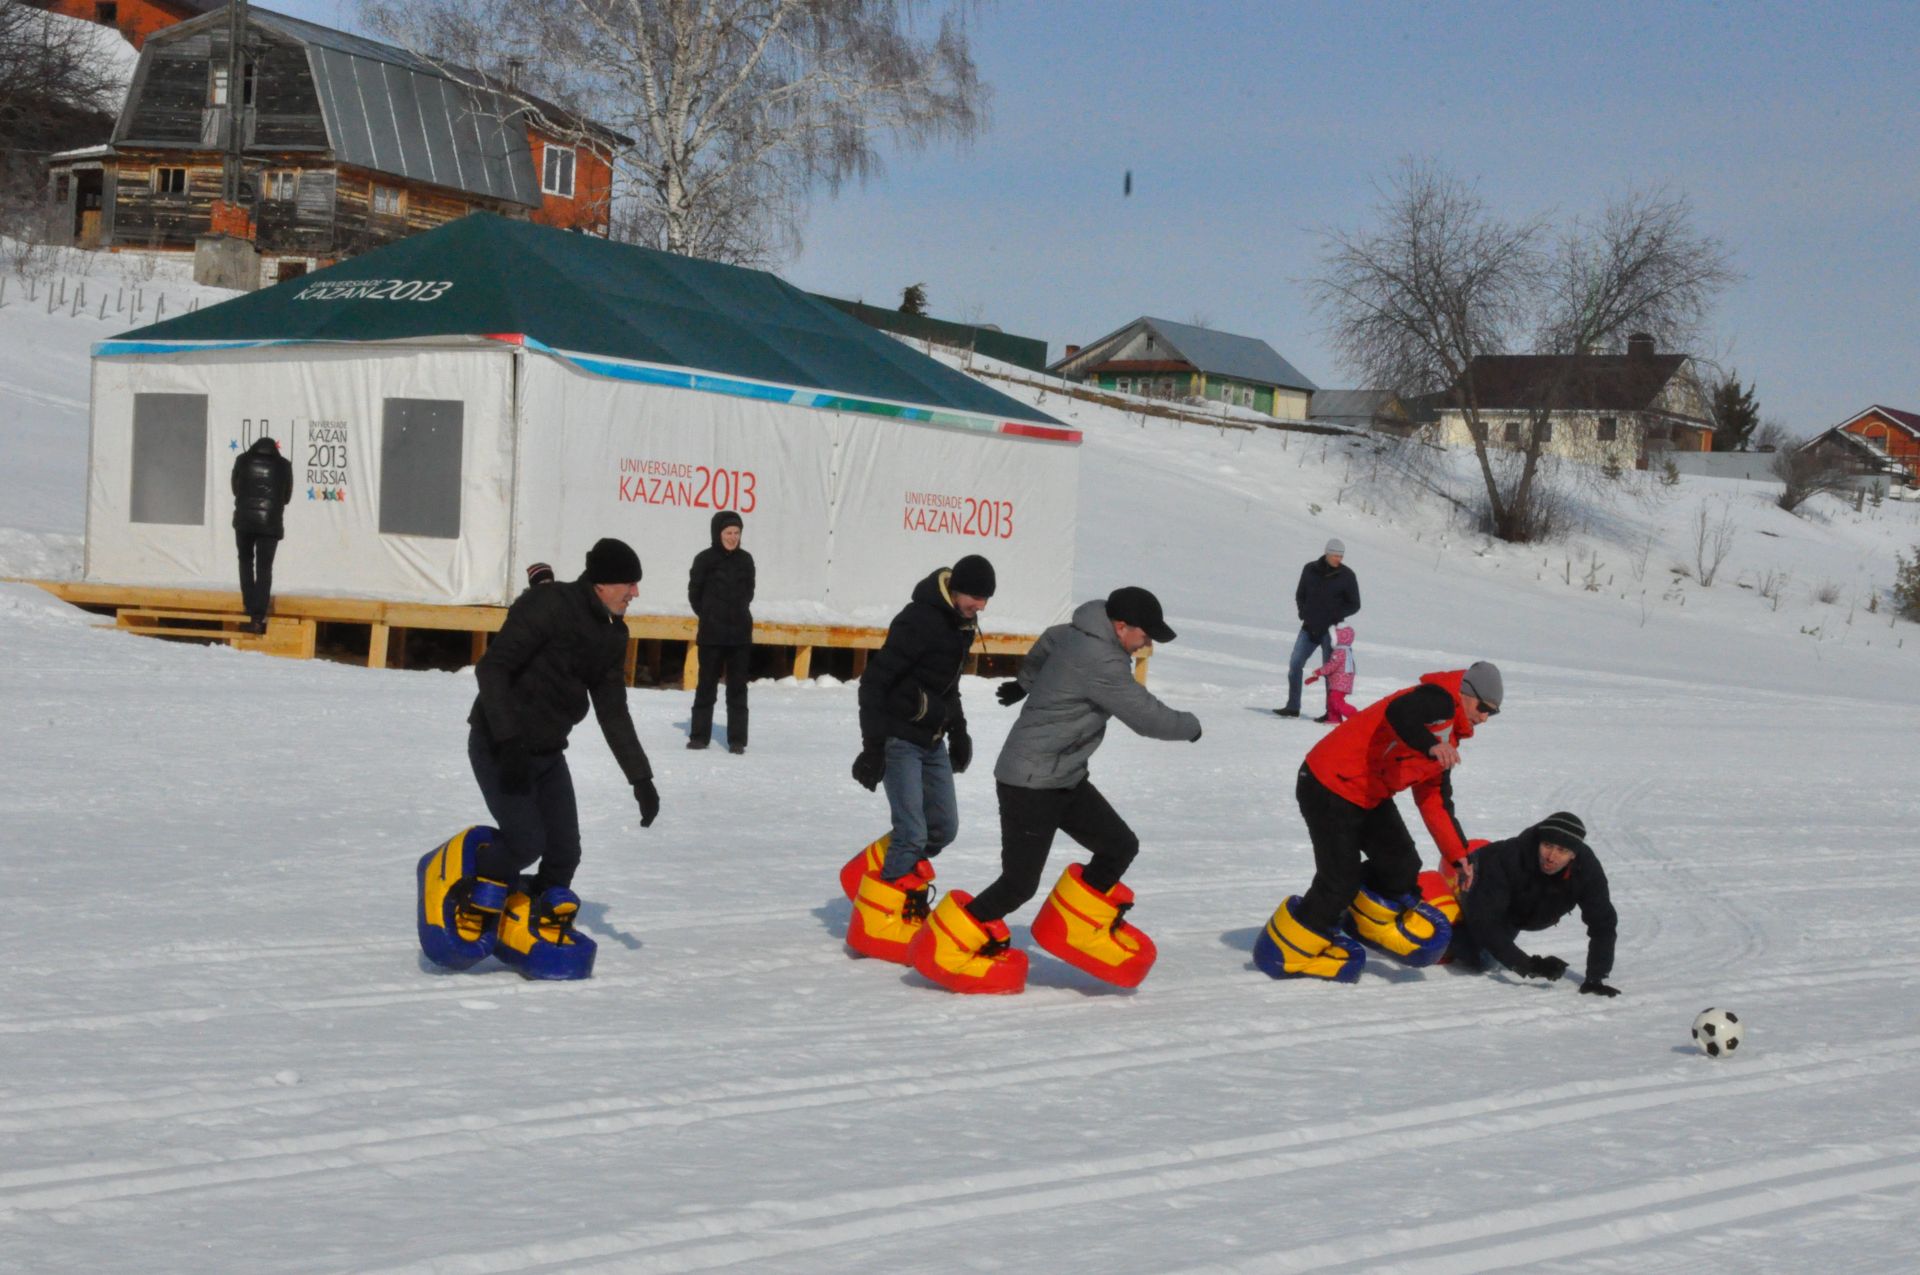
(494, 393)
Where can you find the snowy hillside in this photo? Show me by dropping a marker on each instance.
(224, 1052)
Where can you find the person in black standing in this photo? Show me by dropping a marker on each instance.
(720, 591)
(562, 647)
(262, 486)
(1328, 593)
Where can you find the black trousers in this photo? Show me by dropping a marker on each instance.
(734, 661)
(1028, 819)
(256, 572)
(1343, 834)
(540, 825)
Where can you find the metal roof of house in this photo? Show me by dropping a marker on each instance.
(1351, 404)
(1246, 358)
(395, 112)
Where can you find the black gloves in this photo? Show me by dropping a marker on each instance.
(870, 767)
(515, 765)
(1547, 967)
(1594, 987)
(1010, 693)
(1197, 732)
(649, 798)
(960, 751)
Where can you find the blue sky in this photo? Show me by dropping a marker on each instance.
(1795, 130)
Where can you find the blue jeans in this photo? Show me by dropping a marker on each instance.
(926, 813)
(1296, 665)
(540, 825)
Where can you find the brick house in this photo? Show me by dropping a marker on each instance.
(134, 19)
(345, 143)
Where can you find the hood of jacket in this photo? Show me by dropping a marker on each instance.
(1091, 618)
(721, 521)
(933, 592)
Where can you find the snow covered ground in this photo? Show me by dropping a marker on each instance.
(223, 1052)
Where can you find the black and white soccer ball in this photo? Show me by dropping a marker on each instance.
(1718, 1032)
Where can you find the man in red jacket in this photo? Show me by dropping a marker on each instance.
(1410, 739)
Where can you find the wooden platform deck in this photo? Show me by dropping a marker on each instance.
(293, 629)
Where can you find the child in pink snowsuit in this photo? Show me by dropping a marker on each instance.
(1339, 674)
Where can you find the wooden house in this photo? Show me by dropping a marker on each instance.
(1158, 358)
(1880, 440)
(345, 144)
(1625, 409)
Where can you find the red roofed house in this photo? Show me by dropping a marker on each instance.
(1880, 440)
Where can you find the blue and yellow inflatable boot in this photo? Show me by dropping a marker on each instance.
(1409, 929)
(458, 911)
(536, 935)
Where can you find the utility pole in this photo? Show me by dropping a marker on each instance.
(236, 104)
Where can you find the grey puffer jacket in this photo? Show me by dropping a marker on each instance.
(1076, 677)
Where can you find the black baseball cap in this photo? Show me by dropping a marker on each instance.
(1134, 605)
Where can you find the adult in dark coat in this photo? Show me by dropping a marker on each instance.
(720, 591)
(563, 647)
(913, 727)
(1530, 882)
(262, 485)
(1327, 594)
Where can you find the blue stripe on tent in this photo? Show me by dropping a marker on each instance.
(109, 349)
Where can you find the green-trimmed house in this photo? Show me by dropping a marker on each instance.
(1157, 358)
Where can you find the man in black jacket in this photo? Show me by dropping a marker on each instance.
(1530, 882)
(913, 727)
(1328, 593)
(262, 485)
(563, 645)
(720, 591)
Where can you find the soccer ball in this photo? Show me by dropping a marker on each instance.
(1717, 1032)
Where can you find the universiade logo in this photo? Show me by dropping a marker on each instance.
(375, 290)
(941, 514)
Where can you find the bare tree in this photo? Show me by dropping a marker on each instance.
(1804, 474)
(55, 85)
(1416, 303)
(738, 109)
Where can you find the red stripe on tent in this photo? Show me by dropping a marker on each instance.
(511, 338)
(1040, 431)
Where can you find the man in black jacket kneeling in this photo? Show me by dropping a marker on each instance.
(1530, 882)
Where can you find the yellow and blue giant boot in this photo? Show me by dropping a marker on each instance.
(538, 939)
(887, 914)
(457, 910)
(1288, 949)
(1408, 929)
(1088, 930)
(965, 955)
(869, 860)
(1438, 891)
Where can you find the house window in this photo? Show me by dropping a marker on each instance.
(169, 459)
(1513, 432)
(1609, 429)
(386, 201)
(558, 178)
(282, 186)
(60, 189)
(420, 467)
(1545, 431)
(219, 94)
(169, 181)
(106, 14)
(1478, 431)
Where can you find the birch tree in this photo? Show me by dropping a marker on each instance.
(737, 109)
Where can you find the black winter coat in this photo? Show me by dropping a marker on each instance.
(558, 650)
(720, 590)
(911, 688)
(1325, 596)
(1511, 894)
(262, 485)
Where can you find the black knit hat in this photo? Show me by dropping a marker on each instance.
(972, 575)
(610, 561)
(1564, 828)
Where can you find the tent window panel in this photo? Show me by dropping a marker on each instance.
(170, 459)
(420, 448)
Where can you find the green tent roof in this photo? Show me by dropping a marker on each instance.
(693, 323)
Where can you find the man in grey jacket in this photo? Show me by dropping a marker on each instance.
(1077, 677)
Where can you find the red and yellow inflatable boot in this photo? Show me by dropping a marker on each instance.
(458, 912)
(872, 859)
(887, 914)
(1288, 949)
(537, 937)
(965, 955)
(1088, 930)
